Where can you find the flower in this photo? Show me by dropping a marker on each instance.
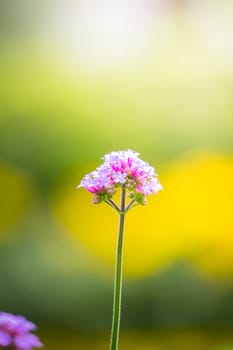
(15, 331)
(122, 168)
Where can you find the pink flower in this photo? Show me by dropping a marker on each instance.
(15, 331)
(122, 168)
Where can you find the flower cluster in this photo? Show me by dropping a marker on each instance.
(15, 332)
(123, 168)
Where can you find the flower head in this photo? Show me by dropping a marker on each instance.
(122, 168)
(15, 331)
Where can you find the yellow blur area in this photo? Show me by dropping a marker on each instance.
(157, 340)
(190, 217)
(17, 194)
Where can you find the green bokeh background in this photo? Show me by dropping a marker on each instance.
(60, 112)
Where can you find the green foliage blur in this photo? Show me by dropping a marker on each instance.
(78, 80)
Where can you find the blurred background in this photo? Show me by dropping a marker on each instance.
(80, 79)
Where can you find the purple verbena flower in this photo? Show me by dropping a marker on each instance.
(122, 168)
(15, 332)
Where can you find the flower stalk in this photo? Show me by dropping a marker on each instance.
(137, 179)
(118, 276)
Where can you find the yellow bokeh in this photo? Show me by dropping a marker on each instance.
(175, 339)
(199, 203)
(190, 219)
(17, 193)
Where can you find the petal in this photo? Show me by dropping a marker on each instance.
(5, 339)
(27, 342)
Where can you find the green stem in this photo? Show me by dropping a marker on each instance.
(112, 205)
(118, 277)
